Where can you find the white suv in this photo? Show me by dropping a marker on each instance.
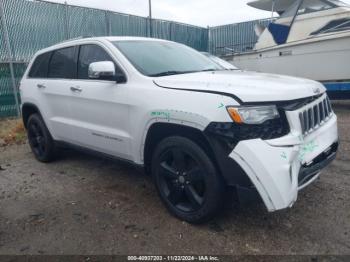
(197, 128)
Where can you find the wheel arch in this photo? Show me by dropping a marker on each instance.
(217, 150)
(27, 110)
(160, 130)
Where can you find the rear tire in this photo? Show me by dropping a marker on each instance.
(187, 180)
(40, 139)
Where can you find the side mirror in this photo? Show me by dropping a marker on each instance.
(102, 70)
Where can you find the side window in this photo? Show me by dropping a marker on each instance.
(93, 53)
(40, 66)
(63, 63)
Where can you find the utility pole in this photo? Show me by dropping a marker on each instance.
(66, 21)
(150, 17)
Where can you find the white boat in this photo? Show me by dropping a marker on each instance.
(310, 38)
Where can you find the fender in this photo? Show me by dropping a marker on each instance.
(229, 169)
(25, 116)
(183, 118)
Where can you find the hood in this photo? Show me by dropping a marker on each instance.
(247, 86)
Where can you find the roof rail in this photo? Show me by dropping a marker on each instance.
(76, 38)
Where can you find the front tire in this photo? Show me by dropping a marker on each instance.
(40, 139)
(187, 180)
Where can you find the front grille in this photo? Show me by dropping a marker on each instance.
(313, 117)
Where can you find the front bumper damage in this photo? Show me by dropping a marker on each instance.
(279, 168)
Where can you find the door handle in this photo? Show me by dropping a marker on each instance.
(76, 89)
(41, 86)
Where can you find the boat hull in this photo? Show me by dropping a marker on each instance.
(321, 60)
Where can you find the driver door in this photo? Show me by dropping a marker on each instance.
(99, 110)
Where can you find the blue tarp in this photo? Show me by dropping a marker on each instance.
(337, 86)
(279, 32)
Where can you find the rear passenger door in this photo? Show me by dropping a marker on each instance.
(99, 107)
(55, 92)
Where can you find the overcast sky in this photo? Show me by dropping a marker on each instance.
(196, 12)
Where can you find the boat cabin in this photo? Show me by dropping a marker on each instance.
(300, 20)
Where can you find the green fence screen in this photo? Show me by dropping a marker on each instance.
(7, 99)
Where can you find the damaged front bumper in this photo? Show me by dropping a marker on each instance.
(279, 168)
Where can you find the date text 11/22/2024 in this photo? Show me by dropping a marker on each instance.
(173, 258)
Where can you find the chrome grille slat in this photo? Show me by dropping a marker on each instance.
(311, 119)
(329, 105)
(322, 111)
(314, 116)
(306, 121)
(301, 118)
(325, 108)
(318, 115)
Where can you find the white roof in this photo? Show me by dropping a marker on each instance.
(280, 5)
(82, 40)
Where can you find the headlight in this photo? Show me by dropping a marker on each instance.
(253, 114)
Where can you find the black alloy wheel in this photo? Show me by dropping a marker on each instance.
(186, 179)
(40, 140)
(182, 180)
(36, 139)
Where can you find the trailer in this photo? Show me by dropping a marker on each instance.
(338, 90)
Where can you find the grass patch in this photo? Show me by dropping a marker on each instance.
(12, 131)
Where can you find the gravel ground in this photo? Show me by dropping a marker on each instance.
(85, 205)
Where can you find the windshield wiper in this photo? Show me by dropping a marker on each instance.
(209, 70)
(169, 73)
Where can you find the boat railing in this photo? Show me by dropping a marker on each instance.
(342, 26)
(232, 49)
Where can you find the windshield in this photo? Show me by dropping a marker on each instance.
(310, 6)
(220, 62)
(160, 58)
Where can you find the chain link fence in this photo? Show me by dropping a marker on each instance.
(234, 38)
(28, 26)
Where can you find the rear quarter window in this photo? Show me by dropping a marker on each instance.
(40, 66)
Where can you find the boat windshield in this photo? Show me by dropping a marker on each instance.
(311, 6)
(280, 29)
